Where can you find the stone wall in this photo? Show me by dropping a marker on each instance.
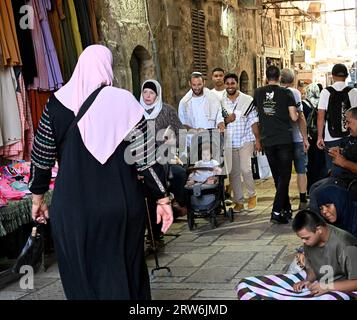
(233, 44)
(123, 28)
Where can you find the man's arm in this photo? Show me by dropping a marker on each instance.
(339, 160)
(293, 113)
(256, 132)
(345, 285)
(320, 128)
(303, 130)
(310, 278)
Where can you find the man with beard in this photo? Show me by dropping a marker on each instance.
(200, 108)
(243, 132)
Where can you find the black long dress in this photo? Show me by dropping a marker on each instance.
(97, 212)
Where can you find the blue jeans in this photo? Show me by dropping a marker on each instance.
(280, 158)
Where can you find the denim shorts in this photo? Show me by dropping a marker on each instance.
(300, 158)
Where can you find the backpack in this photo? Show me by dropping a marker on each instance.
(338, 104)
(311, 121)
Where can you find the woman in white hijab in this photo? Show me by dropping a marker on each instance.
(164, 122)
(316, 157)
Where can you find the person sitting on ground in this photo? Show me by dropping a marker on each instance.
(206, 175)
(330, 261)
(344, 159)
(337, 208)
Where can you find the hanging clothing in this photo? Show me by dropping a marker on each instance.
(55, 16)
(68, 45)
(21, 150)
(83, 22)
(10, 125)
(38, 100)
(41, 81)
(8, 37)
(29, 70)
(54, 21)
(47, 63)
(75, 29)
(93, 21)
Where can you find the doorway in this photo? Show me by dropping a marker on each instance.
(142, 68)
(244, 82)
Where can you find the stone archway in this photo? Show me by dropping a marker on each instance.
(244, 82)
(142, 68)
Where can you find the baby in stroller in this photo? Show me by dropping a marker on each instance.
(205, 170)
(205, 185)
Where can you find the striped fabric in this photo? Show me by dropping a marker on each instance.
(142, 146)
(280, 287)
(44, 148)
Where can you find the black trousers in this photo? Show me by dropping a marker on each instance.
(280, 159)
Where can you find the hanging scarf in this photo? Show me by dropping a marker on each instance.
(156, 107)
(114, 112)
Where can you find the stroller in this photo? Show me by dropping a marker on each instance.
(207, 200)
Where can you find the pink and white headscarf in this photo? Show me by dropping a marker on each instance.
(114, 112)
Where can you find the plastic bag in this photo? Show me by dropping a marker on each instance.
(260, 166)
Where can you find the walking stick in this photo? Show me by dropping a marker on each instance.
(152, 275)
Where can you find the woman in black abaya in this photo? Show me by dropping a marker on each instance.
(98, 210)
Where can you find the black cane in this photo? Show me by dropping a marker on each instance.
(154, 245)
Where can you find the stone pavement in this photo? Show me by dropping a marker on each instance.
(205, 263)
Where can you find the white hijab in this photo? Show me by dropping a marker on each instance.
(156, 106)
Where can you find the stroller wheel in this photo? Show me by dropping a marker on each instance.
(231, 214)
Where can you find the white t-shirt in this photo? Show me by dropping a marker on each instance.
(199, 117)
(297, 136)
(219, 94)
(323, 103)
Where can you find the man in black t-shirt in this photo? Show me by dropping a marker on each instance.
(276, 108)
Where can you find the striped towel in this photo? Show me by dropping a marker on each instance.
(280, 287)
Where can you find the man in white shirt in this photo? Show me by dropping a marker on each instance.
(218, 82)
(243, 133)
(200, 108)
(324, 139)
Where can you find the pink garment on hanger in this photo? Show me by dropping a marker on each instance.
(113, 114)
(21, 150)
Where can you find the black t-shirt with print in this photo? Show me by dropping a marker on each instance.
(272, 103)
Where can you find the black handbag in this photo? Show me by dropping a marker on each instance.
(32, 252)
(255, 168)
